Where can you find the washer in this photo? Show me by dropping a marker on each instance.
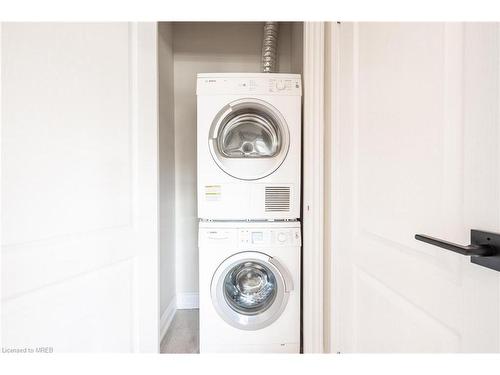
(249, 153)
(249, 287)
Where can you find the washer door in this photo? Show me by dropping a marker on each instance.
(249, 139)
(250, 290)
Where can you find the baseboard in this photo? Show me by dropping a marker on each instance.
(167, 316)
(182, 301)
(188, 301)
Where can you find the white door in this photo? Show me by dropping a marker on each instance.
(415, 144)
(79, 187)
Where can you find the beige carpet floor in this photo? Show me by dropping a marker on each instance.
(183, 335)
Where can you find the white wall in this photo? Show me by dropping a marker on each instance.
(200, 48)
(167, 171)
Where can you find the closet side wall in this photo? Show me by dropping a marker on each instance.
(167, 172)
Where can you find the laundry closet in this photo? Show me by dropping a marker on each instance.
(186, 49)
(99, 173)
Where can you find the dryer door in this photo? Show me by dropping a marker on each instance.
(250, 290)
(249, 139)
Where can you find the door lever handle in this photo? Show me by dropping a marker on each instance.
(472, 250)
(483, 250)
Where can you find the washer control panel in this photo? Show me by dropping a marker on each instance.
(250, 236)
(270, 237)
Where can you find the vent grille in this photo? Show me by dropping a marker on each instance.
(277, 198)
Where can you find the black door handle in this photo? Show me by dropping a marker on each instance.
(483, 250)
(472, 250)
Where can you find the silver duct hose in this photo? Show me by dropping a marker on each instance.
(270, 48)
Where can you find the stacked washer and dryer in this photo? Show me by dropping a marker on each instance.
(249, 165)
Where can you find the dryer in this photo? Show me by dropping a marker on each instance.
(249, 146)
(249, 287)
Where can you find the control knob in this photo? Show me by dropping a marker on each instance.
(281, 237)
(280, 85)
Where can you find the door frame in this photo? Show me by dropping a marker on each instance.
(332, 67)
(144, 117)
(313, 188)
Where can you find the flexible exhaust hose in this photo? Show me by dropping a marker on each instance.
(270, 48)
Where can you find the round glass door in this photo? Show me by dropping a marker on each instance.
(249, 139)
(248, 135)
(250, 290)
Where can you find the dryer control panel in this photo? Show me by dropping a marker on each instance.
(262, 84)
